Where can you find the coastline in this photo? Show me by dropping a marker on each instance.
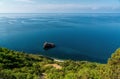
(58, 60)
(55, 59)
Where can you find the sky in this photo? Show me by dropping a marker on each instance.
(59, 6)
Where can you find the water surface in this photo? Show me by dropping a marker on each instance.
(92, 37)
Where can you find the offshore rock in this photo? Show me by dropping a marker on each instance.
(48, 45)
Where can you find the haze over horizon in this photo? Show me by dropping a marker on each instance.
(62, 6)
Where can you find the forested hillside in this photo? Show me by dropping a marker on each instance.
(20, 65)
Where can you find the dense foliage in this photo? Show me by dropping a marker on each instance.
(19, 65)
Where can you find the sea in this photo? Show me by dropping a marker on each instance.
(78, 36)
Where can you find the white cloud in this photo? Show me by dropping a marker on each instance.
(26, 1)
(1, 3)
(30, 8)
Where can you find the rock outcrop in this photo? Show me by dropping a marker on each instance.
(48, 45)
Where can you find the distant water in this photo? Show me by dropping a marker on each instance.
(92, 37)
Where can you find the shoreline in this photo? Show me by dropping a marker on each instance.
(58, 60)
(55, 59)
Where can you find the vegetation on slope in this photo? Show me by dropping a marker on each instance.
(19, 65)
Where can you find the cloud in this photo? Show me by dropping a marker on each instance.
(25, 1)
(75, 7)
(1, 3)
(64, 8)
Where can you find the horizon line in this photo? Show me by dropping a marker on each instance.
(63, 13)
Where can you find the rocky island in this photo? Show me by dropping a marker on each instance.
(48, 45)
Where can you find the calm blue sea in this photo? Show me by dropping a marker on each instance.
(92, 37)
